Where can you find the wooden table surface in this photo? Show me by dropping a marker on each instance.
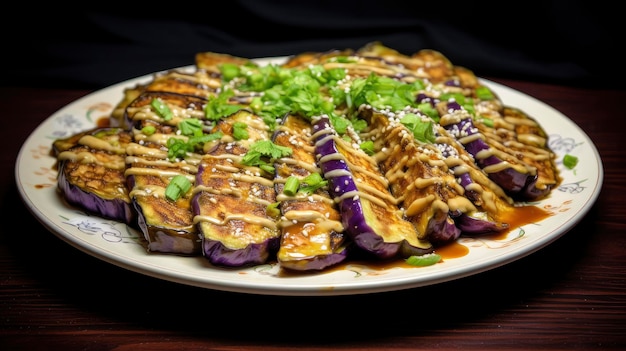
(570, 295)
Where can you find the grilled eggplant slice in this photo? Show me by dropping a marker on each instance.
(117, 118)
(306, 59)
(91, 173)
(418, 176)
(312, 232)
(369, 214)
(198, 83)
(210, 61)
(443, 191)
(425, 63)
(492, 204)
(231, 200)
(519, 179)
(141, 111)
(528, 141)
(64, 144)
(166, 224)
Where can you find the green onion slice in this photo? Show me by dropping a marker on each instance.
(148, 130)
(424, 260)
(291, 186)
(162, 109)
(177, 187)
(570, 161)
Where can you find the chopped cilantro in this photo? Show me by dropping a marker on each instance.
(229, 71)
(381, 92)
(240, 131)
(422, 129)
(190, 126)
(483, 93)
(358, 124)
(219, 106)
(340, 123)
(178, 147)
(368, 147)
(312, 182)
(263, 153)
(428, 109)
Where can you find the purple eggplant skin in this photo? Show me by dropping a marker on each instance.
(254, 254)
(466, 180)
(519, 185)
(340, 252)
(474, 224)
(167, 240)
(354, 219)
(443, 231)
(356, 222)
(318, 263)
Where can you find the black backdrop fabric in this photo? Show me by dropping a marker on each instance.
(565, 42)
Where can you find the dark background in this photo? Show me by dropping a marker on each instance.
(563, 42)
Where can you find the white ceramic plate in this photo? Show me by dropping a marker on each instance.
(118, 244)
